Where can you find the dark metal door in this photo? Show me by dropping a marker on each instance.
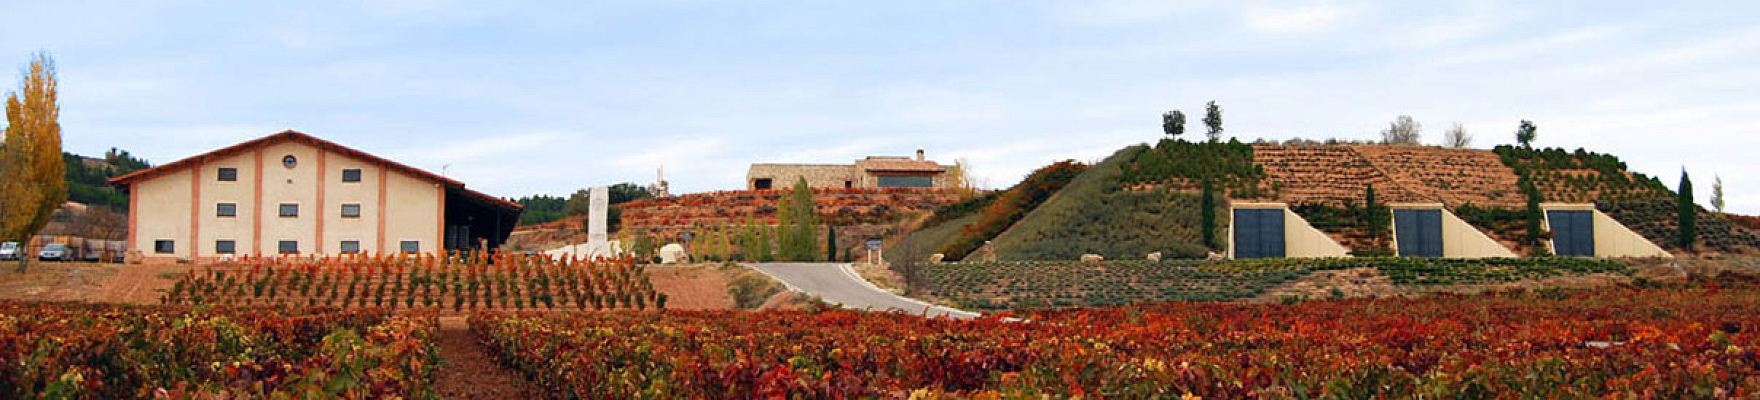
(1419, 232)
(1573, 232)
(1258, 233)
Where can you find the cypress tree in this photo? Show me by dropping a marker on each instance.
(831, 243)
(1688, 213)
(1207, 206)
(1533, 211)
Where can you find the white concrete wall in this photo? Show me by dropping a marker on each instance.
(1459, 238)
(1300, 239)
(1612, 239)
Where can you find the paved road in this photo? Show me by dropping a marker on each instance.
(837, 283)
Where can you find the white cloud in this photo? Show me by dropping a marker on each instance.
(1296, 19)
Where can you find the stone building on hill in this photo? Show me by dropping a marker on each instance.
(866, 173)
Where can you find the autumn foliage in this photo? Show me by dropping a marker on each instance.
(422, 281)
(1619, 343)
(76, 351)
(1013, 204)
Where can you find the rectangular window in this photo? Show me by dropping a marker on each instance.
(226, 210)
(351, 210)
(351, 246)
(229, 174)
(289, 210)
(761, 184)
(164, 246)
(351, 175)
(411, 246)
(906, 181)
(225, 246)
(288, 247)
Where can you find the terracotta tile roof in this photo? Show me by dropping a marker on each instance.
(899, 165)
(296, 136)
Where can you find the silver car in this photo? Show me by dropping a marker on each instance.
(9, 251)
(55, 252)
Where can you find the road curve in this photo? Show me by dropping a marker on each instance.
(837, 283)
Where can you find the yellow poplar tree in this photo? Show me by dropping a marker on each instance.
(32, 175)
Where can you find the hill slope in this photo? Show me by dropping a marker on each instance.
(1094, 215)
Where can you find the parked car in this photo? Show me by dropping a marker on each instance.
(55, 252)
(9, 251)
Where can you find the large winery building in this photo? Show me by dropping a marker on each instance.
(291, 193)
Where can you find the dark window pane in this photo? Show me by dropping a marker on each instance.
(411, 246)
(906, 181)
(351, 246)
(290, 210)
(228, 174)
(351, 211)
(289, 161)
(351, 175)
(288, 247)
(225, 246)
(164, 246)
(761, 184)
(226, 210)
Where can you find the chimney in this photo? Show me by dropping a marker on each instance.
(919, 154)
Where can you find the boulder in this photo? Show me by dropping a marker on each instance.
(937, 257)
(1156, 256)
(673, 253)
(1092, 258)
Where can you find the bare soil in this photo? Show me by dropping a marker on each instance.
(92, 282)
(470, 372)
(692, 287)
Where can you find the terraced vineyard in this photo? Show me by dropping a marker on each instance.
(1035, 285)
(1655, 219)
(506, 280)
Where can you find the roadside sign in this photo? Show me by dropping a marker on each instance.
(874, 244)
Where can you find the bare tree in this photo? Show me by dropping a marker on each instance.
(1402, 131)
(101, 223)
(1457, 137)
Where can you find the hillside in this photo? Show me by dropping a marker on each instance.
(88, 178)
(1094, 215)
(1145, 199)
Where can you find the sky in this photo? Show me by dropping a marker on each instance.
(518, 98)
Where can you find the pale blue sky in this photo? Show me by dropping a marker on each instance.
(517, 98)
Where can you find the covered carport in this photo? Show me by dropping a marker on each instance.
(477, 221)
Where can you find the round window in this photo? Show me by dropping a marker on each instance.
(289, 161)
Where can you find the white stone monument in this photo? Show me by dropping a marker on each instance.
(598, 206)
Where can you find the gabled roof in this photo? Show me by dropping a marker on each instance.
(296, 136)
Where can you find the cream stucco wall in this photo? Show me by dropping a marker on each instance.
(1612, 239)
(412, 212)
(337, 229)
(162, 204)
(1459, 238)
(1300, 239)
(297, 185)
(242, 193)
